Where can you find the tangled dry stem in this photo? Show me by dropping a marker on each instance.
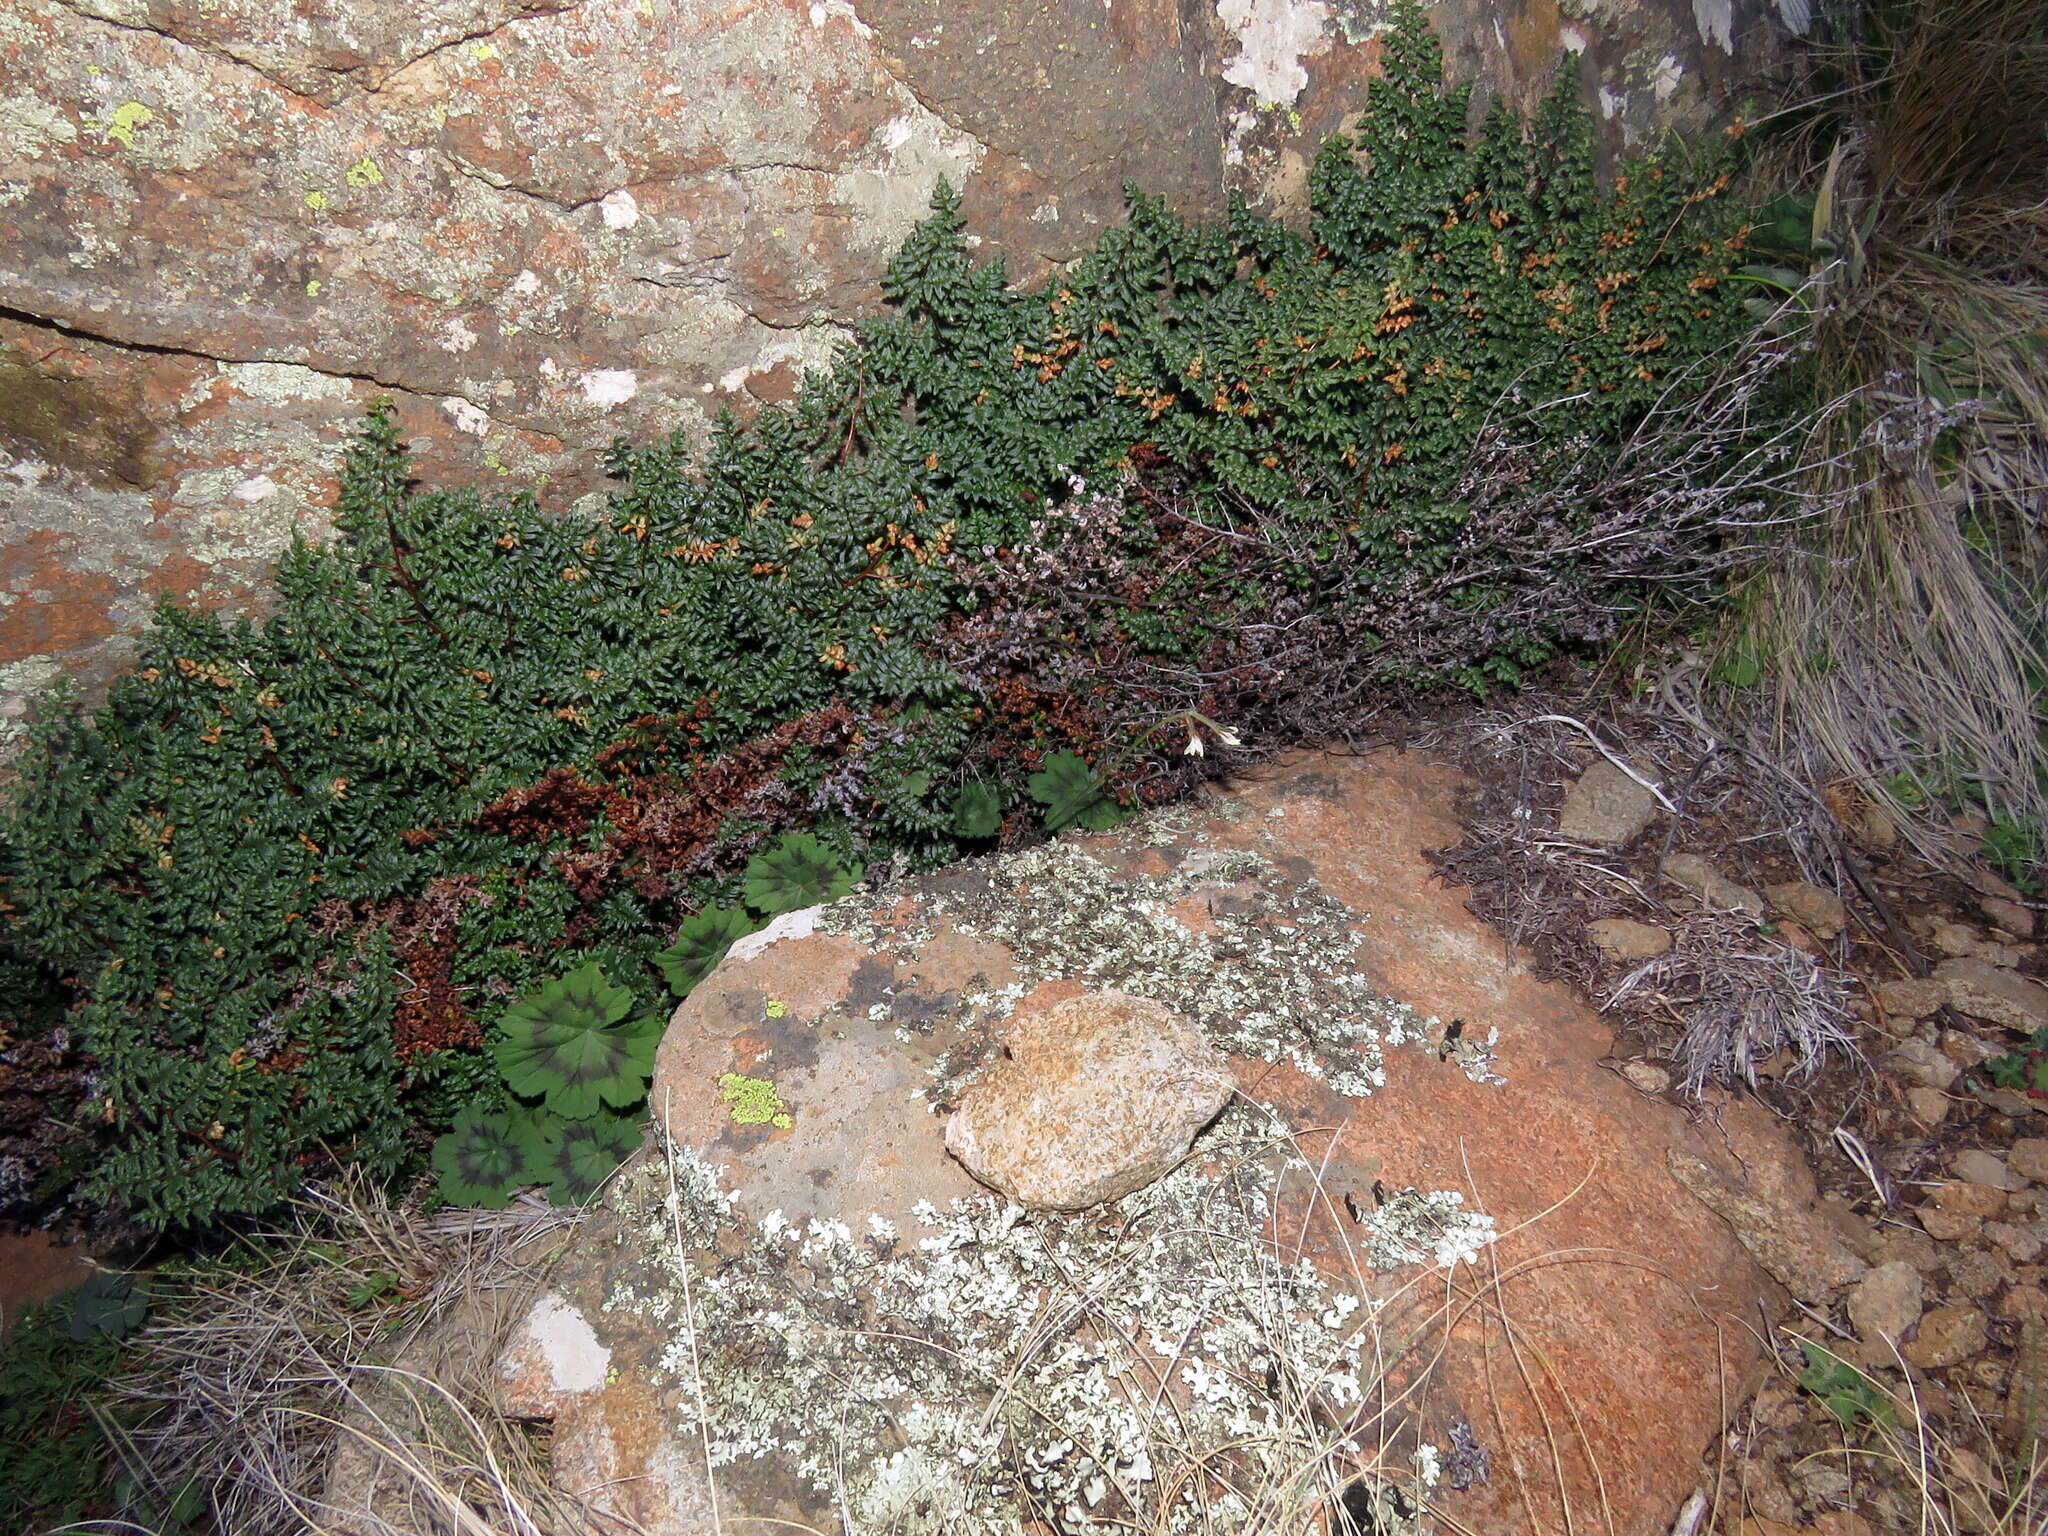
(1567, 540)
(1727, 996)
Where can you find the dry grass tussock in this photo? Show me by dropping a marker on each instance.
(1904, 625)
(341, 1370)
(1729, 995)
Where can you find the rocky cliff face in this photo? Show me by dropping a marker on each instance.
(539, 224)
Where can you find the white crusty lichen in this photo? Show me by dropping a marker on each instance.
(1274, 976)
(1409, 1227)
(1145, 1365)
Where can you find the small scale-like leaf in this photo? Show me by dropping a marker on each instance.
(700, 944)
(481, 1159)
(797, 871)
(567, 1046)
(977, 811)
(574, 1157)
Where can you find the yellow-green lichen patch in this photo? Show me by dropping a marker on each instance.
(317, 200)
(364, 173)
(754, 1101)
(127, 120)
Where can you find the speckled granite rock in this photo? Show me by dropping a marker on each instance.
(1095, 1097)
(1419, 1133)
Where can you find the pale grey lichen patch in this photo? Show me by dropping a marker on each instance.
(1161, 1364)
(21, 684)
(1409, 1227)
(1359, 21)
(1274, 978)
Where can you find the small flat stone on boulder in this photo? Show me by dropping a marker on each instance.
(1622, 938)
(1714, 889)
(1098, 1096)
(1606, 807)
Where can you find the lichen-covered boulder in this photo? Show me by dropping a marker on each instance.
(1428, 1232)
(1094, 1098)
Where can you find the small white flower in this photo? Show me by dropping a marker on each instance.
(1194, 748)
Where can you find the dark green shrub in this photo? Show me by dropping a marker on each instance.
(1001, 553)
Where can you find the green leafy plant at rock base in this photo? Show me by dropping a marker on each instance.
(570, 1046)
(1072, 795)
(798, 871)
(578, 1069)
(1846, 1391)
(700, 944)
(999, 554)
(484, 1156)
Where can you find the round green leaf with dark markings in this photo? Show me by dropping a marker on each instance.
(568, 1046)
(573, 1157)
(797, 871)
(1070, 792)
(109, 1303)
(977, 811)
(482, 1159)
(700, 944)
